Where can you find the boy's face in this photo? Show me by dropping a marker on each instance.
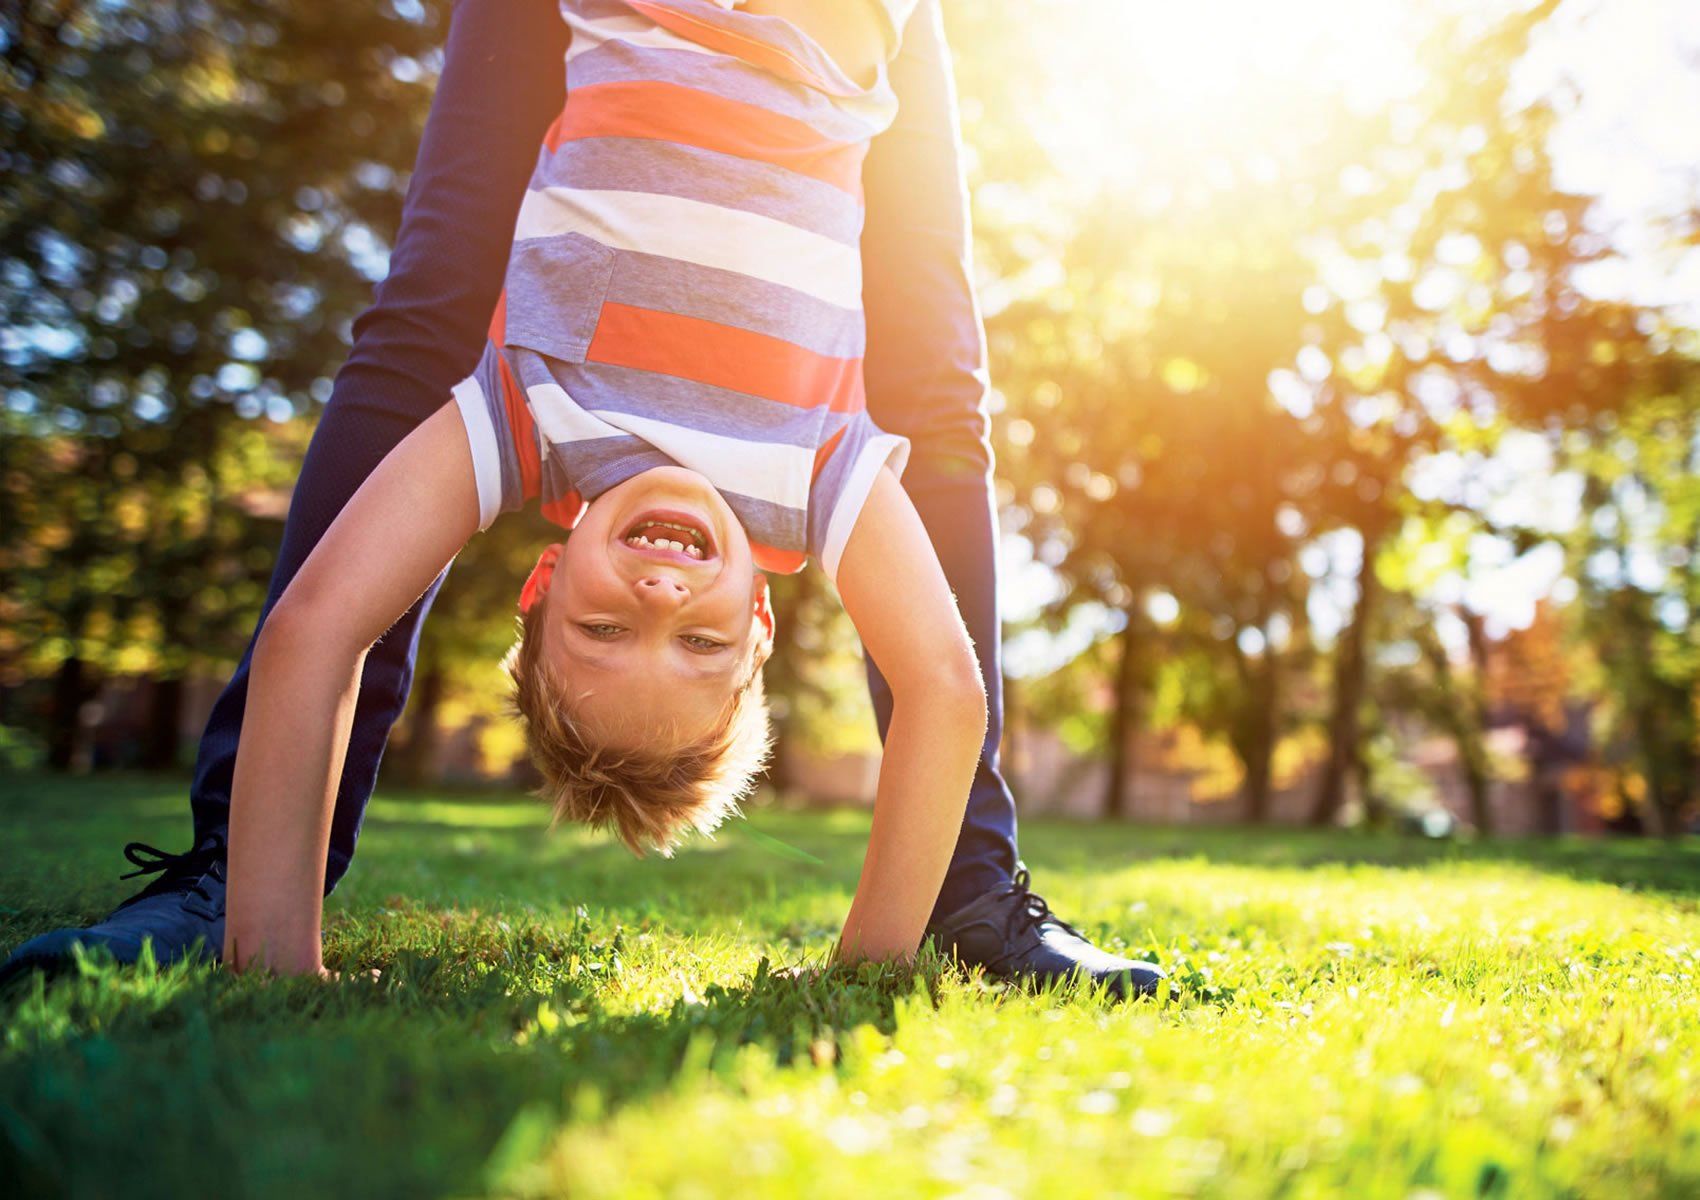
(652, 641)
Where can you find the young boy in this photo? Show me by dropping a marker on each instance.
(674, 373)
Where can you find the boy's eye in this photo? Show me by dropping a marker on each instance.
(701, 645)
(599, 629)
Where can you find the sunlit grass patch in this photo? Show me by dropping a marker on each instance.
(1351, 1016)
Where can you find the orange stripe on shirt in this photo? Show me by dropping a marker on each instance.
(722, 355)
(524, 432)
(780, 562)
(670, 112)
(565, 510)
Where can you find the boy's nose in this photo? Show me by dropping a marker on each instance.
(653, 589)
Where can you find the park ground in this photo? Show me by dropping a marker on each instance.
(1357, 1016)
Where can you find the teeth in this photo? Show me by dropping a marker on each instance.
(688, 548)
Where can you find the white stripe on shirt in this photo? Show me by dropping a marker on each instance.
(706, 234)
(633, 30)
(767, 471)
(561, 419)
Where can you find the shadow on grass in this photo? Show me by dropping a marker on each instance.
(477, 1032)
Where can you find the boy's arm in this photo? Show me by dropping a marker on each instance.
(895, 592)
(397, 533)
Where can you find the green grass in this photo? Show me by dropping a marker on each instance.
(1357, 1017)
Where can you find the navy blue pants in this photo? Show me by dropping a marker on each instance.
(501, 85)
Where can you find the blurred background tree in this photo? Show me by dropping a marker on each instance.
(191, 211)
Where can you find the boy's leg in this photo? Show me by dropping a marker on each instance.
(502, 82)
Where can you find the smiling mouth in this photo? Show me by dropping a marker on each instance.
(672, 533)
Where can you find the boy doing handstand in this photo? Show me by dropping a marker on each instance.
(674, 373)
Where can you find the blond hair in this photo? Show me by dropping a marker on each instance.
(651, 797)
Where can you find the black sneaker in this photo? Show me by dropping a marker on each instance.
(181, 913)
(1013, 934)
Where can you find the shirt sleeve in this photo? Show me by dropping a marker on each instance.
(496, 444)
(852, 461)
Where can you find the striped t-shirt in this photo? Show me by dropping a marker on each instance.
(686, 280)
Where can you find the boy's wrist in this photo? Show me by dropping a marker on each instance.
(285, 954)
(289, 944)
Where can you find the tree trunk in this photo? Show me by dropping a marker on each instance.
(1461, 715)
(1476, 781)
(1549, 803)
(72, 688)
(1375, 808)
(1544, 758)
(1350, 668)
(787, 679)
(1472, 761)
(1481, 811)
(1260, 749)
(1654, 819)
(165, 711)
(1663, 764)
(414, 766)
(1118, 800)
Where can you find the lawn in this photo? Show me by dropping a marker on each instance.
(1356, 1016)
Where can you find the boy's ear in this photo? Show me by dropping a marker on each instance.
(537, 583)
(763, 609)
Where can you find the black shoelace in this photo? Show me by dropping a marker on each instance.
(177, 872)
(1033, 907)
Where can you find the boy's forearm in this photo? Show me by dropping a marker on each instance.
(913, 631)
(397, 533)
(294, 736)
(931, 752)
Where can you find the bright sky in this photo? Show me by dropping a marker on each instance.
(1633, 140)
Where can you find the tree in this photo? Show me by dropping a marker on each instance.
(193, 203)
(1636, 559)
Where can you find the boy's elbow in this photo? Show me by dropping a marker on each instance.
(284, 630)
(955, 688)
(976, 711)
(296, 626)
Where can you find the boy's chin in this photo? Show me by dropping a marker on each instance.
(668, 479)
(674, 486)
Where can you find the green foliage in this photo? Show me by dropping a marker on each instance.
(1636, 558)
(195, 198)
(1364, 1016)
(816, 680)
(1222, 364)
